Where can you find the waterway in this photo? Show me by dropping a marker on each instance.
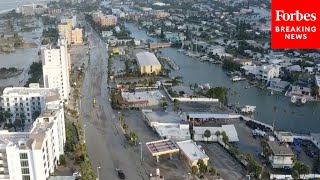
(288, 117)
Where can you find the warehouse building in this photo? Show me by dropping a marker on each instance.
(148, 63)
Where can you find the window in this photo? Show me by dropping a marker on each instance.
(27, 104)
(27, 99)
(24, 163)
(20, 99)
(39, 98)
(24, 177)
(23, 156)
(25, 170)
(21, 109)
(28, 110)
(28, 114)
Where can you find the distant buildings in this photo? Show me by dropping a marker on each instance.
(148, 63)
(31, 9)
(56, 65)
(53, 11)
(104, 20)
(70, 20)
(34, 151)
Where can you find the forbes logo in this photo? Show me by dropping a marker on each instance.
(281, 15)
(295, 24)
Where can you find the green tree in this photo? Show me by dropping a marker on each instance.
(125, 127)
(176, 103)
(133, 137)
(121, 119)
(212, 171)
(218, 93)
(207, 134)
(17, 123)
(202, 166)
(225, 138)
(194, 170)
(218, 134)
(62, 160)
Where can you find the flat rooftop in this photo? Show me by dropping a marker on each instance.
(62, 178)
(229, 129)
(280, 149)
(165, 117)
(26, 91)
(191, 150)
(147, 59)
(142, 96)
(162, 147)
(285, 133)
(174, 132)
(208, 116)
(32, 137)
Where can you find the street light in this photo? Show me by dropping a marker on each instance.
(98, 172)
(141, 151)
(84, 133)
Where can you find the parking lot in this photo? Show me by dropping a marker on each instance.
(118, 65)
(173, 169)
(228, 167)
(203, 107)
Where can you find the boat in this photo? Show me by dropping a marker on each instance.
(237, 78)
(303, 100)
(271, 92)
(293, 99)
(180, 50)
(248, 109)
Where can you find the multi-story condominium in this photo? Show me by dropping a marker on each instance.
(56, 65)
(104, 20)
(33, 152)
(72, 20)
(108, 20)
(74, 36)
(26, 103)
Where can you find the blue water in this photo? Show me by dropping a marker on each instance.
(287, 117)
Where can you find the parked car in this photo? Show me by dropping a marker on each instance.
(121, 175)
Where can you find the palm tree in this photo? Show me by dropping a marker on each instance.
(121, 119)
(218, 134)
(134, 137)
(207, 134)
(125, 127)
(225, 138)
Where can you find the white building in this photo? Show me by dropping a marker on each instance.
(281, 156)
(56, 65)
(265, 73)
(191, 153)
(27, 101)
(34, 153)
(72, 20)
(262, 73)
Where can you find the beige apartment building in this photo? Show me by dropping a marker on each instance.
(104, 20)
(74, 36)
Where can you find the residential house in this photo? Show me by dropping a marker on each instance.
(281, 155)
(276, 84)
(301, 88)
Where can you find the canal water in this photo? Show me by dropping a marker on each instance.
(288, 117)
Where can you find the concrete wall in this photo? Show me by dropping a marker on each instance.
(183, 99)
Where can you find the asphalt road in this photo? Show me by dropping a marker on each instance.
(105, 141)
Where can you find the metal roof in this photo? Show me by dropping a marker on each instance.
(147, 59)
(162, 147)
